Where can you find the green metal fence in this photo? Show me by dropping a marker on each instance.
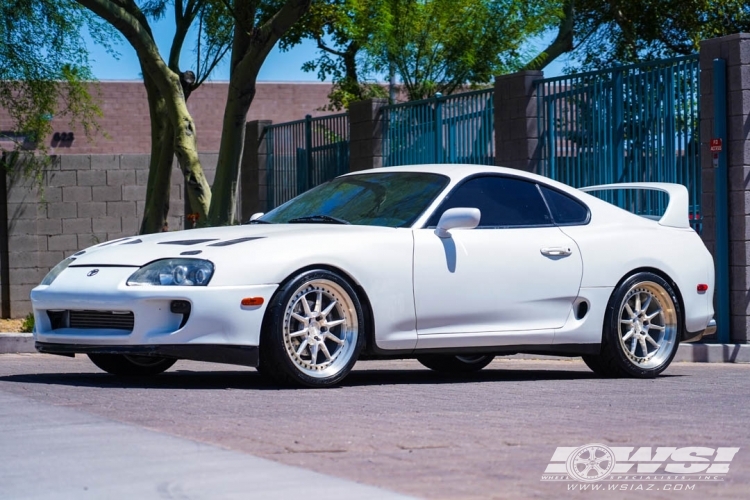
(635, 123)
(455, 129)
(303, 154)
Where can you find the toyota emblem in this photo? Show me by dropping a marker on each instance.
(93, 272)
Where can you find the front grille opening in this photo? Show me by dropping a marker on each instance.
(92, 320)
(58, 319)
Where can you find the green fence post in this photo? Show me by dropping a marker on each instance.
(438, 128)
(270, 180)
(308, 150)
(618, 158)
(721, 200)
(551, 139)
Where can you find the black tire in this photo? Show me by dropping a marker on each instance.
(321, 361)
(448, 363)
(131, 366)
(652, 333)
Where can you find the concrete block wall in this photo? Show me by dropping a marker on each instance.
(253, 172)
(366, 134)
(516, 134)
(81, 200)
(126, 122)
(735, 50)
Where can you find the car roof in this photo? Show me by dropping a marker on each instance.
(458, 171)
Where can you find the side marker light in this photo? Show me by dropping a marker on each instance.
(252, 301)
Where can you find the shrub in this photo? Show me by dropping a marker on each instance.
(28, 323)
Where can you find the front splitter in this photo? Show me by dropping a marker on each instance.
(213, 353)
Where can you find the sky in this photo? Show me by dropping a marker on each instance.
(278, 67)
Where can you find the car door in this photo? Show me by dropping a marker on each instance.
(515, 272)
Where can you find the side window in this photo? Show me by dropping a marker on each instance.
(503, 201)
(565, 210)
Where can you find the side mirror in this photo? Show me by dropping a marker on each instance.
(461, 217)
(256, 215)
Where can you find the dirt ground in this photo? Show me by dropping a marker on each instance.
(10, 325)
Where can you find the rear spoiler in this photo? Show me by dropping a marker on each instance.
(676, 214)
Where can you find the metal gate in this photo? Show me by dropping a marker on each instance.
(635, 123)
(303, 154)
(455, 129)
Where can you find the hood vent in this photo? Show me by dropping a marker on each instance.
(186, 242)
(119, 240)
(234, 242)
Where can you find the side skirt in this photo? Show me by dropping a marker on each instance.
(569, 350)
(213, 353)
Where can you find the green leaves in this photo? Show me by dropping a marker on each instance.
(629, 31)
(432, 45)
(43, 67)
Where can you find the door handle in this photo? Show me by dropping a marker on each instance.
(556, 251)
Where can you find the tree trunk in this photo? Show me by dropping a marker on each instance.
(186, 151)
(160, 164)
(250, 48)
(224, 190)
(129, 20)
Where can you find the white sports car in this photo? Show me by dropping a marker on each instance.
(449, 264)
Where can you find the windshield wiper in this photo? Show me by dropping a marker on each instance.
(258, 221)
(317, 219)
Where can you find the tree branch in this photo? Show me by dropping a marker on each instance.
(562, 43)
(322, 46)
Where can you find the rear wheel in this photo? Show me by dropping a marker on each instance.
(447, 363)
(642, 329)
(314, 331)
(128, 365)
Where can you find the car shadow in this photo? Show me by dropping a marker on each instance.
(252, 380)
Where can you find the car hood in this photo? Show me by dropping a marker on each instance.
(207, 243)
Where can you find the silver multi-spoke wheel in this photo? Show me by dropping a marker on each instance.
(320, 328)
(648, 324)
(642, 328)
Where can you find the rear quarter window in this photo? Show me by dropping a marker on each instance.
(565, 209)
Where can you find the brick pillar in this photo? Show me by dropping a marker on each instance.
(366, 134)
(735, 49)
(253, 194)
(516, 135)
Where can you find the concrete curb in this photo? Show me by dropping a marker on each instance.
(714, 353)
(11, 343)
(687, 353)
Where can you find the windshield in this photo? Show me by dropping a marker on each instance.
(390, 199)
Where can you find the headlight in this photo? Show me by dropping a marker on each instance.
(174, 272)
(55, 272)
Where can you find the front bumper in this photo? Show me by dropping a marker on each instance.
(696, 336)
(216, 315)
(229, 354)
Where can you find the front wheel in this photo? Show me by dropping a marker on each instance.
(447, 363)
(642, 329)
(314, 331)
(131, 366)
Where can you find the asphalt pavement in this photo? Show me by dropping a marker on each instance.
(212, 431)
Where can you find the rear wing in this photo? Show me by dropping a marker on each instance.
(676, 214)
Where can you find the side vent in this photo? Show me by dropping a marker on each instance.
(581, 309)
